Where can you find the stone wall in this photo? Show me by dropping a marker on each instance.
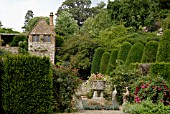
(14, 50)
(42, 49)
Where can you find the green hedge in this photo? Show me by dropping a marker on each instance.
(1, 73)
(124, 50)
(104, 62)
(96, 60)
(135, 53)
(163, 54)
(161, 69)
(150, 51)
(27, 85)
(112, 61)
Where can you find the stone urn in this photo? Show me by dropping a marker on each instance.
(98, 87)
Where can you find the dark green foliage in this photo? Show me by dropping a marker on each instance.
(163, 54)
(17, 39)
(146, 107)
(112, 61)
(65, 82)
(135, 53)
(23, 47)
(104, 63)
(27, 85)
(124, 50)
(1, 73)
(161, 69)
(123, 76)
(96, 60)
(150, 51)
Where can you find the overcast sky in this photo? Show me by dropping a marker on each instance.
(12, 12)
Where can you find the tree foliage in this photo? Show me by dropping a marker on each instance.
(135, 53)
(94, 25)
(29, 15)
(80, 9)
(163, 54)
(150, 51)
(97, 59)
(112, 61)
(134, 12)
(78, 52)
(124, 51)
(104, 63)
(65, 24)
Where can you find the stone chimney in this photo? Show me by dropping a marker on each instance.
(51, 20)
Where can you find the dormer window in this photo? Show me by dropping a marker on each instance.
(35, 38)
(47, 38)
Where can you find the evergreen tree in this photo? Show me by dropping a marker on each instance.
(29, 15)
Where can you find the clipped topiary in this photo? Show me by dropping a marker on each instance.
(27, 85)
(96, 60)
(163, 54)
(104, 63)
(112, 61)
(135, 53)
(17, 39)
(124, 50)
(150, 51)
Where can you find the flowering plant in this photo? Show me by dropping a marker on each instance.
(158, 90)
(97, 76)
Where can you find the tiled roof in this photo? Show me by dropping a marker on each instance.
(42, 28)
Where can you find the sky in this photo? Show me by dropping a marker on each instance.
(12, 12)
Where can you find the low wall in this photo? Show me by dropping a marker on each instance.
(11, 49)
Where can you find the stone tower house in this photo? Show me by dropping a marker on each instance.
(42, 38)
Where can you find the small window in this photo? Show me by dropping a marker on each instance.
(35, 38)
(47, 38)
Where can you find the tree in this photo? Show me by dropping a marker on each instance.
(124, 50)
(65, 24)
(80, 9)
(150, 51)
(127, 11)
(94, 25)
(1, 24)
(33, 21)
(96, 60)
(29, 15)
(104, 63)
(163, 54)
(112, 61)
(135, 53)
(78, 52)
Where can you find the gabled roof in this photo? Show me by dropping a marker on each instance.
(42, 28)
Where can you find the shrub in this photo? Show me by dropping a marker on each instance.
(123, 76)
(65, 82)
(96, 60)
(161, 69)
(27, 85)
(124, 50)
(17, 39)
(135, 53)
(153, 88)
(163, 54)
(146, 107)
(112, 61)
(104, 62)
(150, 51)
